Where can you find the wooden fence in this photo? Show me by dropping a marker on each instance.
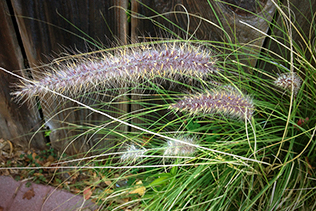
(34, 32)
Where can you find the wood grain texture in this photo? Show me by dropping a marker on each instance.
(246, 8)
(204, 16)
(17, 122)
(302, 13)
(49, 28)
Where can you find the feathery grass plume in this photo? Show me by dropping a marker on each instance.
(125, 66)
(286, 80)
(176, 148)
(132, 154)
(225, 101)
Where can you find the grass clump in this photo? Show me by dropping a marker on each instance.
(248, 144)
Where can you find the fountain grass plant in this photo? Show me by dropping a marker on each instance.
(230, 139)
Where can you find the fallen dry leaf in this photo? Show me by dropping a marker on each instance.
(126, 200)
(29, 194)
(87, 193)
(108, 191)
(75, 190)
(47, 164)
(107, 182)
(38, 174)
(34, 155)
(50, 158)
(139, 190)
(37, 160)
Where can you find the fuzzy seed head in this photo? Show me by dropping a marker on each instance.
(132, 154)
(227, 102)
(174, 148)
(286, 80)
(125, 67)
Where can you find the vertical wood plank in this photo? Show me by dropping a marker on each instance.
(203, 17)
(17, 122)
(302, 13)
(48, 28)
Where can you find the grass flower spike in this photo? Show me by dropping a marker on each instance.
(132, 154)
(174, 148)
(286, 80)
(227, 102)
(126, 66)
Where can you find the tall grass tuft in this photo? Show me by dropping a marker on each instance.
(265, 161)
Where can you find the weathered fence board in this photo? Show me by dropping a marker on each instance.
(17, 122)
(48, 27)
(204, 20)
(302, 15)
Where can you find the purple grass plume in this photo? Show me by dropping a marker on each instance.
(174, 148)
(132, 154)
(286, 80)
(126, 66)
(228, 102)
